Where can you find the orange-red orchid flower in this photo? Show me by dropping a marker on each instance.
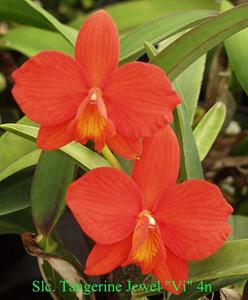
(90, 98)
(148, 219)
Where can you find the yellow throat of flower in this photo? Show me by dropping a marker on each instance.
(147, 248)
(92, 122)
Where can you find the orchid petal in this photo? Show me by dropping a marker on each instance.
(158, 167)
(97, 47)
(172, 273)
(54, 137)
(139, 99)
(49, 88)
(193, 219)
(105, 258)
(130, 148)
(106, 203)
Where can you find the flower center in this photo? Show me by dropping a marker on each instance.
(92, 122)
(95, 94)
(146, 213)
(93, 97)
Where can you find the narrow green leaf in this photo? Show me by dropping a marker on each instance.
(29, 13)
(208, 128)
(83, 156)
(190, 166)
(188, 87)
(230, 260)
(16, 153)
(13, 147)
(129, 14)
(19, 11)
(30, 41)
(14, 192)
(236, 48)
(190, 81)
(192, 45)
(150, 50)
(67, 32)
(23, 162)
(17, 222)
(239, 226)
(54, 172)
(132, 43)
(190, 163)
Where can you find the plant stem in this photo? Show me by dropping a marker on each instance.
(47, 243)
(106, 152)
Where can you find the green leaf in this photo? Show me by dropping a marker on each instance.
(23, 162)
(132, 43)
(190, 81)
(17, 222)
(208, 128)
(190, 163)
(190, 166)
(150, 50)
(239, 226)
(129, 14)
(19, 11)
(30, 41)
(83, 156)
(15, 152)
(14, 192)
(236, 48)
(13, 147)
(67, 32)
(29, 13)
(54, 172)
(192, 45)
(230, 260)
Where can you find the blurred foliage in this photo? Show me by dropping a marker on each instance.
(66, 10)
